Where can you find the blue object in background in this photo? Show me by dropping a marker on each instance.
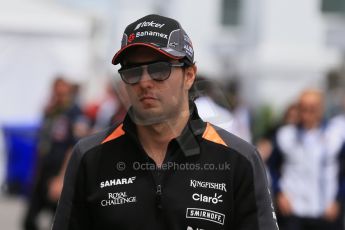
(21, 154)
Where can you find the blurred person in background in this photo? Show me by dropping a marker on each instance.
(305, 169)
(337, 124)
(111, 109)
(209, 110)
(264, 144)
(62, 124)
(242, 119)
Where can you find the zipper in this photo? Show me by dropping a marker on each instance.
(159, 196)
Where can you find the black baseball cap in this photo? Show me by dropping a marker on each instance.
(162, 34)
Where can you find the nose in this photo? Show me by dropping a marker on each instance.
(145, 80)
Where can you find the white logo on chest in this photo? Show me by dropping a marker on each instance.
(115, 182)
(118, 198)
(207, 199)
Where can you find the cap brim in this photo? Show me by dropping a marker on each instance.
(173, 54)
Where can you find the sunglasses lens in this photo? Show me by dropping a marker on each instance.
(159, 71)
(132, 75)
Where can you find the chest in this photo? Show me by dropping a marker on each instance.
(132, 194)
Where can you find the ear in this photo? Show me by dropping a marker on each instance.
(190, 74)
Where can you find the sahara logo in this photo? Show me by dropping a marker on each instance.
(115, 182)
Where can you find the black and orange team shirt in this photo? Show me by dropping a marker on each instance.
(209, 180)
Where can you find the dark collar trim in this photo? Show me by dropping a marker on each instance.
(188, 140)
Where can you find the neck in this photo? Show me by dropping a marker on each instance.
(311, 126)
(156, 137)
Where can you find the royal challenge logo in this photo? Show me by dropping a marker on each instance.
(118, 198)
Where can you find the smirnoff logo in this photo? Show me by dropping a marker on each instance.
(204, 214)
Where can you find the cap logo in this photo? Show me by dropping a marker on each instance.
(151, 33)
(173, 44)
(131, 37)
(189, 50)
(149, 24)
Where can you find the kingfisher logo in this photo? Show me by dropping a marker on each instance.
(149, 24)
(205, 184)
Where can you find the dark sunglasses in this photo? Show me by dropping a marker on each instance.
(158, 71)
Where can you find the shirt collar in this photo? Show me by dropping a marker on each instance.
(190, 136)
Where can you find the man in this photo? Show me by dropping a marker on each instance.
(150, 171)
(56, 139)
(305, 169)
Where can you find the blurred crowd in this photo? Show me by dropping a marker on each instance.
(304, 151)
(64, 122)
(305, 157)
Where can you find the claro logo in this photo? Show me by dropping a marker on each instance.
(207, 199)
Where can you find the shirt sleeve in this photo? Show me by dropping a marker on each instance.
(341, 176)
(253, 203)
(71, 212)
(274, 163)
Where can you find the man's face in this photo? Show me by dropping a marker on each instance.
(311, 110)
(62, 92)
(157, 101)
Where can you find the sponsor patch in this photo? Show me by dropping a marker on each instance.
(115, 182)
(151, 33)
(207, 199)
(131, 37)
(148, 24)
(118, 198)
(204, 214)
(188, 49)
(205, 184)
(190, 228)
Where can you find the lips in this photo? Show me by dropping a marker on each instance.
(147, 97)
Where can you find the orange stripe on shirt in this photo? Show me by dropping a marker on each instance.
(212, 135)
(115, 134)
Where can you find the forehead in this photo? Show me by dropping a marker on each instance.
(142, 55)
(311, 99)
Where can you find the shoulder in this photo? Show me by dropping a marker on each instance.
(287, 130)
(336, 126)
(232, 142)
(87, 143)
(286, 134)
